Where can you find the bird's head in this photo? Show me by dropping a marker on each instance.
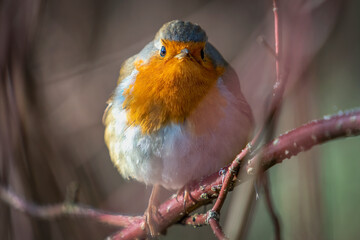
(174, 74)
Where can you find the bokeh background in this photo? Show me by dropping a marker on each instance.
(59, 62)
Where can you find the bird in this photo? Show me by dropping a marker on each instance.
(177, 113)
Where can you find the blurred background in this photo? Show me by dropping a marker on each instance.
(59, 63)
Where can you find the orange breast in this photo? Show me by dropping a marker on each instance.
(167, 89)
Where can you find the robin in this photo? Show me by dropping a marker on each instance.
(177, 113)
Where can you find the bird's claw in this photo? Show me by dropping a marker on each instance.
(150, 220)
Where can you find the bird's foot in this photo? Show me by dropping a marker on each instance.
(186, 196)
(151, 214)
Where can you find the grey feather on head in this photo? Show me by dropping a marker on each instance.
(178, 30)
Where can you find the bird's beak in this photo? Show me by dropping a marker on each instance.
(184, 53)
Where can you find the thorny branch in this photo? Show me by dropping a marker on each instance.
(203, 191)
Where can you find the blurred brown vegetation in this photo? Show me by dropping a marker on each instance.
(59, 62)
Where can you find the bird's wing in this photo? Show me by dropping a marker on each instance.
(126, 68)
(232, 83)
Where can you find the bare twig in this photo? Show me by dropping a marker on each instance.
(278, 90)
(262, 41)
(215, 225)
(66, 208)
(233, 170)
(270, 206)
(267, 128)
(277, 44)
(344, 124)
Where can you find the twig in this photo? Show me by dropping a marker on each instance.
(278, 91)
(267, 128)
(262, 41)
(270, 206)
(215, 225)
(344, 124)
(66, 208)
(277, 44)
(233, 170)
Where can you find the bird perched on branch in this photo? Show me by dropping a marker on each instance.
(177, 113)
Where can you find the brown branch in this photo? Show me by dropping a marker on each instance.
(277, 44)
(278, 91)
(270, 205)
(66, 208)
(210, 218)
(267, 129)
(215, 225)
(270, 123)
(344, 124)
(234, 169)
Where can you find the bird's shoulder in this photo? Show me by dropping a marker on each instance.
(229, 76)
(127, 67)
(129, 64)
(125, 70)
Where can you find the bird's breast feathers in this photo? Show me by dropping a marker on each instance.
(177, 151)
(167, 89)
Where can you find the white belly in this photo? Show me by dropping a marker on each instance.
(178, 153)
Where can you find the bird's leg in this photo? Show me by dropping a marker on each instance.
(151, 211)
(186, 196)
(185, 191)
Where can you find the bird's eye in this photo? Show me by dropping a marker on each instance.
(202, 54)
(163, 51)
